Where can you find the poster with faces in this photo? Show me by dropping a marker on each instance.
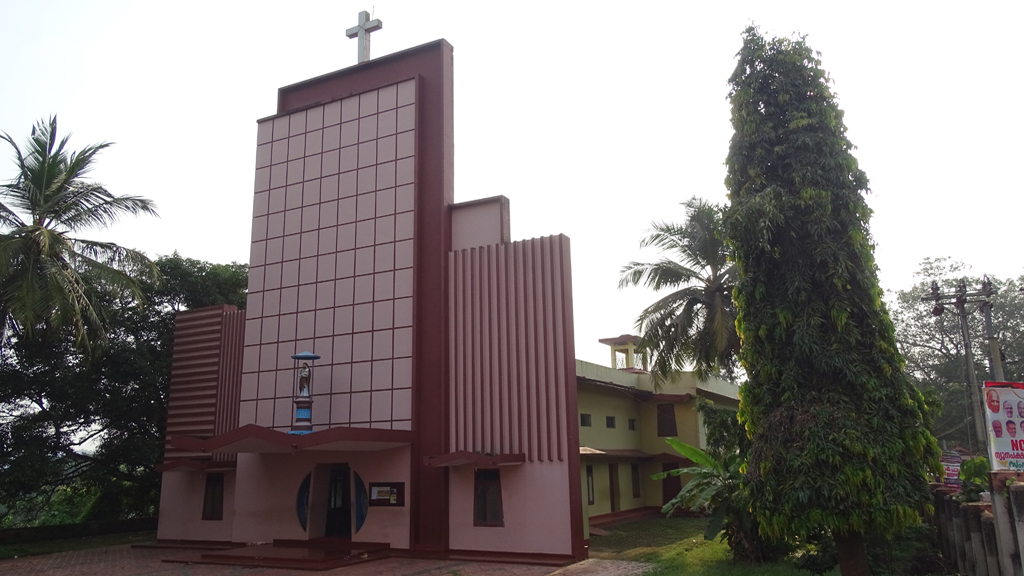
(1004, 420)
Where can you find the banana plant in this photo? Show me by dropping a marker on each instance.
(714, 488)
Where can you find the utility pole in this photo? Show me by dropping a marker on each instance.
(995, 357)
(960, 298)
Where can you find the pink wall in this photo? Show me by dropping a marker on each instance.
(230, 377)
(265, 502)
(513, 391)
(537, 510)
(331, 262)
(204, 387)
(384, 524)
(480, 222)
(181, 507)
(512, 366)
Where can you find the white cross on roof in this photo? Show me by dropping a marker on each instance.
(363, 32)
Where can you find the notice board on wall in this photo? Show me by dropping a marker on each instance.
(387, 493)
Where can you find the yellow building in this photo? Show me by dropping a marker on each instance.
(623, 424)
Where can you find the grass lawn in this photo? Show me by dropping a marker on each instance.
(677, 546)
(50, 546)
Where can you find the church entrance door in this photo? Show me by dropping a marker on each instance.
(339, 503)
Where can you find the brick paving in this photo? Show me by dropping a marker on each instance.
(127, 561)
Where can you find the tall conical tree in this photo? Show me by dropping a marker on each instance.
(839, 439)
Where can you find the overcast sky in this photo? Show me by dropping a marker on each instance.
(594, 118)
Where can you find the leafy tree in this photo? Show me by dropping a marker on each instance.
(723, 432)
(94, 426)
(974, 477)
(47, 275)
(933, 345)
(696, 322)
(187, 283)
(839, 436)
(71, 420)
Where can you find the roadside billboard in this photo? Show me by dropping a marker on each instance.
(1004, 421)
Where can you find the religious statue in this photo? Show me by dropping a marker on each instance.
(304, 374)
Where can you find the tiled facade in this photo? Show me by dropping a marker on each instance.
(331, 266)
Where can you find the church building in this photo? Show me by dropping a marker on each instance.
(402, 380)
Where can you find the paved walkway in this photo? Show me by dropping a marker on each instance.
(126, 561)
(595, 567)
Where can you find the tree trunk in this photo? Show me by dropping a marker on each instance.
(853, 558)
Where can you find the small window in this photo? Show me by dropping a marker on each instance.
(634, 470)
(590, 485)
(213, 497)
(487, 499)
(632, 424)
(609, 421)
(585, 420)
(666, 420)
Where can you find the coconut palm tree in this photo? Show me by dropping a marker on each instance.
(695, 323)
(49, 276)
